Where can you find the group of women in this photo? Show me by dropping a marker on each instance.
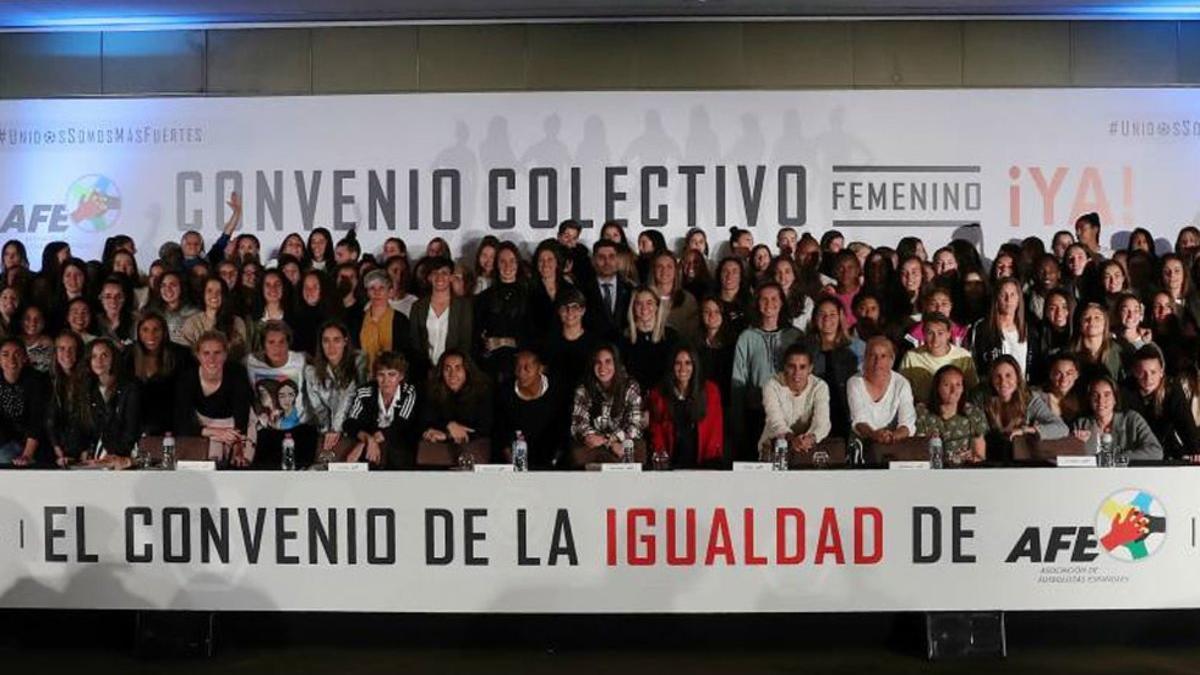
(588, 354)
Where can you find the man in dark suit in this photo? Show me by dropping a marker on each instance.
(608, 296)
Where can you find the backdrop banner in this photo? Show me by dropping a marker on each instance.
(828, 541)
(876, 164)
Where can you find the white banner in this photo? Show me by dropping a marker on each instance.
(875, 164)
(832, 541)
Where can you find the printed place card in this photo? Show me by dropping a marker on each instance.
(753, 466)
(1075, 461)
(356, 467)
(195, 465)
(909, 464)
(494, 468)
(621, 467)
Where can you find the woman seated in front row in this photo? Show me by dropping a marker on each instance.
(606, 413)
(213, 401)
(330, 383)
(796, 404)
(949, 416)
(686, 420)
(881, 400)
(1160, 400)
(1014, 414)
(1132, 437)
(104, 417)
(380, 420)
(457, 416)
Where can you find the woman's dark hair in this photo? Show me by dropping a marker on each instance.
(694, 230)
(935, 397)
(828, 237)
(91, 313)
(658, 242)
(1151, 352)
(60, 378)
(81, 412)
(328, 302)
(126, 312)
(474, 390)
(1141, 232)
(287, 302)
(113, 244)
(623, 242)
(1006, 415)
(795, 296)
(1188, 229)
(20, 246)
(695, 394)
(225, 315)
(509, 247)
(785, 315)
(725, 334)
(288, 259)
(1104, 378)
(556, 249)
(703, 277)
(50, 264)
(907, 247)
(303, 259)
(597, 394)
(488, 241)
(166, 362)
(131, 281)
(346, 372)
(60, 290)
(308, 246)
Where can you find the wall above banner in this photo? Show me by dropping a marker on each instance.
(986, 165)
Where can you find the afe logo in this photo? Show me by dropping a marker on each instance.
(1063, 192)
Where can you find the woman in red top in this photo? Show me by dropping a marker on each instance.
(685, 415)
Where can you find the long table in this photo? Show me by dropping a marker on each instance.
(688, 542)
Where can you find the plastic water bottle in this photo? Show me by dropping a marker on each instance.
(520, 453)
(780, 455)
(168, 452)
(854, 451)
(627, 456)
(289, 453)
(138, 455)
(936, 454)
(661, 460)
(1106, 458)
(466, 461)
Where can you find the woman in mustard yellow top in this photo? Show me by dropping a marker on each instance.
(383, 328)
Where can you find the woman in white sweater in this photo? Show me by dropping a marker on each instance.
(881, 400)
(796, 404)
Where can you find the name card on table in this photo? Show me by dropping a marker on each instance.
(195, 465)
(621, 467)
(494, 468)
(356, 467)
(753, 466)
(908, 464)
(1075, 461)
